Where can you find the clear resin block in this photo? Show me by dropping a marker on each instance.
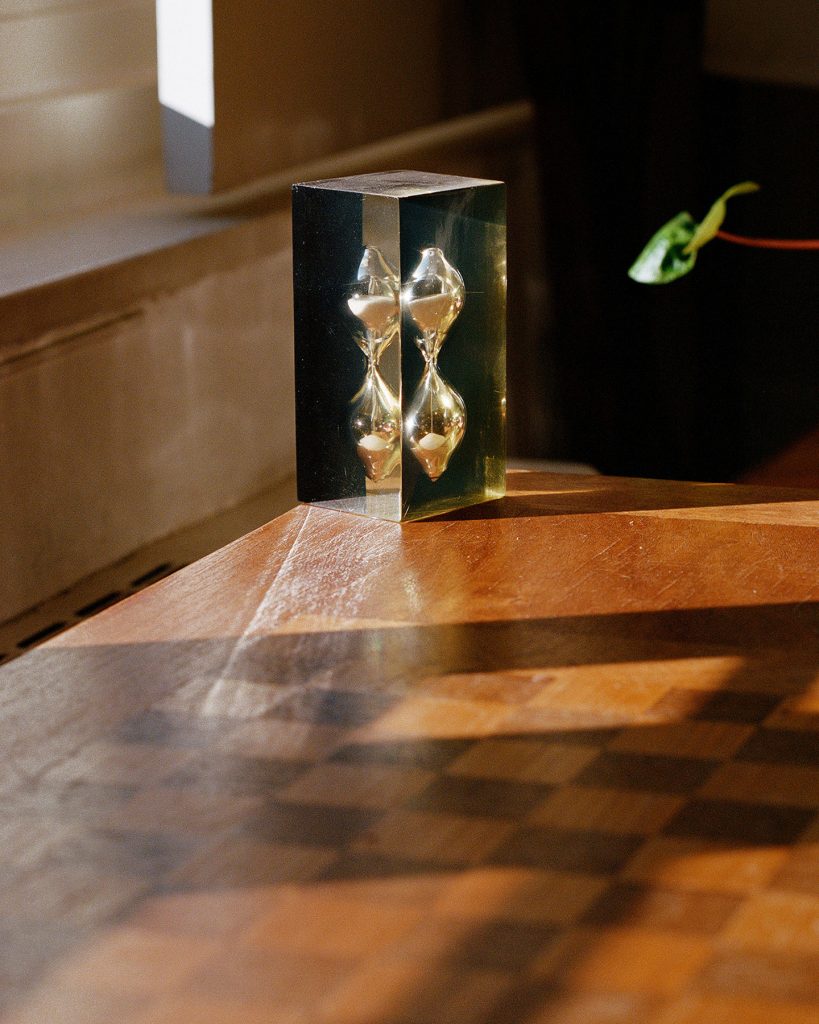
(400, 330)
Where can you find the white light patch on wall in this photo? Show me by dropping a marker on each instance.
(184, 31)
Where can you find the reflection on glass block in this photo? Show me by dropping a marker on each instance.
(400, 291)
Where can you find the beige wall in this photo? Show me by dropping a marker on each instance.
(117, 435)
(79, 118)
(296, 81)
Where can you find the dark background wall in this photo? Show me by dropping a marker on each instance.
(709, 376)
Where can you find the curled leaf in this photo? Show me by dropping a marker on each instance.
(672, 251)
(712, 221)
(666, 258)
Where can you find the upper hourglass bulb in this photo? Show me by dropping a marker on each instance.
(434, 295)
(374, 298)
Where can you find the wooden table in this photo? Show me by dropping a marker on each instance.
(552, 759)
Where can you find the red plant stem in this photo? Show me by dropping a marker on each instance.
(770, 243)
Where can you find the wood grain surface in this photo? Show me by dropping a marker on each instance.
(550, 759)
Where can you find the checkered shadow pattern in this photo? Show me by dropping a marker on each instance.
(595, 844)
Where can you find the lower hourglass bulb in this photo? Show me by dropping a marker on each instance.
(435, 422)
(376, 427)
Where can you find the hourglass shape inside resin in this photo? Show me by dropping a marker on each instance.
(376, 416)
(436, 419)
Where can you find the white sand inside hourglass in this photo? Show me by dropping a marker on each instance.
(373, 443)
(374, 311)
(429, 442)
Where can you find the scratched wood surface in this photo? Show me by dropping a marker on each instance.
(552, 759)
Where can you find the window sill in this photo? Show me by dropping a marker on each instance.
(94, 270)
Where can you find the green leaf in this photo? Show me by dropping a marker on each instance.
(672, 252)
(666, 258)
(712, 221)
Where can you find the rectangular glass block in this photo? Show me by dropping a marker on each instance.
(400, 333)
